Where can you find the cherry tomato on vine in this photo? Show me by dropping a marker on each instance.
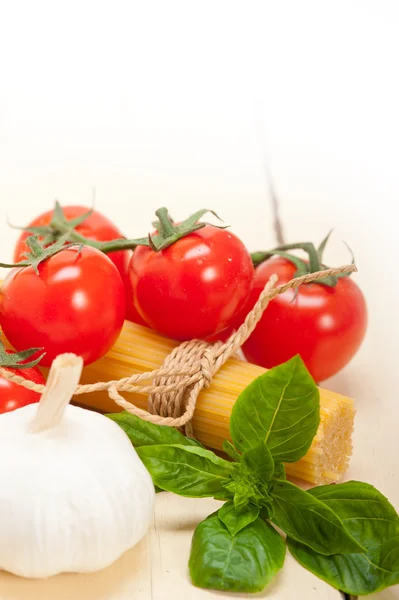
(75, 303)
(194, 287)
(95, 227)
(325, 325)
(14, 396)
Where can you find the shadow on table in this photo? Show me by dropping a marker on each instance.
(266, 593)
(102, 585)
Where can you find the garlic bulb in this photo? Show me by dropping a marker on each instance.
(74, 496)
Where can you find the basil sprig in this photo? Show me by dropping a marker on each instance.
(346, 534)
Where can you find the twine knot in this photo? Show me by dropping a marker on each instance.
(187, 369)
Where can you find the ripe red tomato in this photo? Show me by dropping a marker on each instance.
(193, 288)
(14, 396)
(95, 227)
(75, 304)
(235, 324)
(132, 313)
(325, 325)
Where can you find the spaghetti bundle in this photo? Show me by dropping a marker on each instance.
(140, 349)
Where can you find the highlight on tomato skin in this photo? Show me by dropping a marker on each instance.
(75, 303)
(324, 325)
(193, 288)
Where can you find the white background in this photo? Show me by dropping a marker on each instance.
(183, 103)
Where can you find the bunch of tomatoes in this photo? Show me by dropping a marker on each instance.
(78, 279)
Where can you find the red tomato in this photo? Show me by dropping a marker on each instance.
(95, 227)
(325, 325)
(193, 288)
(236, 322)
(14, 396)
(132, 313)
(75, 304)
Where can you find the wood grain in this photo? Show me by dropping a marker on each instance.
(156, 569)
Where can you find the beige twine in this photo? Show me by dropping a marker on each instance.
(189, 368)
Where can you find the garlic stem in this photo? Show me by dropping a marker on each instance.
(63, 378)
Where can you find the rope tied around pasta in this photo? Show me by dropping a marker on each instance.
(173, 389)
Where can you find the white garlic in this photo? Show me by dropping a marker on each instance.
(74, 496)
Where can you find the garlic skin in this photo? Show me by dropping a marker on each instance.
(73, 497)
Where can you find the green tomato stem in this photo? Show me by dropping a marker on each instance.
(259, 257)
(167, 227)
(314, 264)
(308, 247)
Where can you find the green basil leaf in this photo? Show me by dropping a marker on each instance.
(280, 408)
(310, 521)
(143, 433)
(266, 499)
(241, 489)
(186, 470)
(223, 495)
(236, 519)
(374, 523)
(240, 500)
(279, 471)
(245, 562)
(258, 462)
(354, 574)
(267, 512)
(229, 449)
(246, 489)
